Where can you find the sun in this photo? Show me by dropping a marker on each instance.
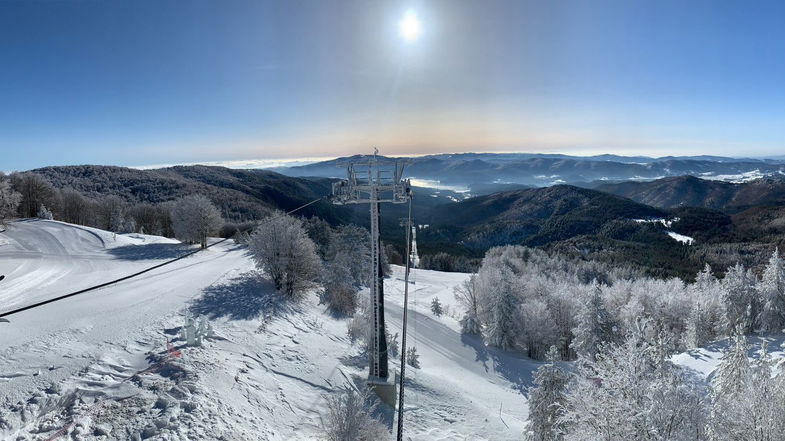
(410, 27)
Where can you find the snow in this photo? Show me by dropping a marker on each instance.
(738, 178)
(100, 359)
(705, 361)
(681, 238)
(666, 222)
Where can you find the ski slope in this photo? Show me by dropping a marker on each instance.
(96, 366)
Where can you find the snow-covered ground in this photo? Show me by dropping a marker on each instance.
(705, 361)
(680, 238)
(96, 366)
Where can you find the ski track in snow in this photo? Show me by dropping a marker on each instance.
(82, 367)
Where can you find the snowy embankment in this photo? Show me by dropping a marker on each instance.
(96, 366)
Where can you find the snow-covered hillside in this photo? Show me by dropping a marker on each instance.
(96, 366)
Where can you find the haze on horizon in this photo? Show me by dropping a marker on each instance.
(147, 82)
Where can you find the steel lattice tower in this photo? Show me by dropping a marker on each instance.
(375, 181)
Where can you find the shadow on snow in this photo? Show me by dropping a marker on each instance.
(246, 297)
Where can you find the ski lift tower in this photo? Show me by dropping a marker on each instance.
(374, 181)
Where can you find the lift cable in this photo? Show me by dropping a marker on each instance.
(405, 316)
(112, 282)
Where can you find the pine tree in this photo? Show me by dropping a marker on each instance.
(500, 330)
(436, 307)
(412, 357)
(546, 401)
(595, 326)
(772, 289)
(734, 368)
(742, 305)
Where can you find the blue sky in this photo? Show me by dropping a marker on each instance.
(149, 82)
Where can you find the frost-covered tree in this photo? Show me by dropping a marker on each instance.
(287, 255)
(412, 357)
(195, 218)
(345, 254)
(436, 307)
(500, 305)
(467, 296)
(633, 392)
(9, 201)
(748, 403)
(539, 330)
(347, 417)
(546, 401)
(734, 368)
(595, 325)
(772, 291)
(742, 303)
(44, 213)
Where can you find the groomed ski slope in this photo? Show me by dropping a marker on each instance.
(96, 366)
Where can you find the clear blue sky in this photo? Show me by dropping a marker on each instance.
(148, 82)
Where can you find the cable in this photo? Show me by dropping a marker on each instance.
(405, 316)
(136, 274)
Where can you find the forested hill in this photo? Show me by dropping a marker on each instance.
(537, 216)
(241, 194)
(690, 191)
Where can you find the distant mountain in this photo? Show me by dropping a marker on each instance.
(689, 191)
(481, 169)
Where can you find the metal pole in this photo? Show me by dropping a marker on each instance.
(405, 316)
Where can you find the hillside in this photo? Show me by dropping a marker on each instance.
(241, 194)
(96, 366)
(689, 191)
(536, 216)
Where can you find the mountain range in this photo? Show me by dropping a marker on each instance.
(471, 170)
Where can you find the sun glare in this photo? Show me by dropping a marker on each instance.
(410, 27)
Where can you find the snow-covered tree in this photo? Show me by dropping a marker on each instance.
(772, 292)
(699, 327)
(436, 307)
(44, 213)
(9, 201)
(734, 368)
(595, 325)
(345, 267)
(748, 403)
(539, 330)
(500, 305)
(287, 255)
(347, 417)
(546, 401)
(412, 357)
(632, 392)
(467, 296)
(742, 303)
(194, 218)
